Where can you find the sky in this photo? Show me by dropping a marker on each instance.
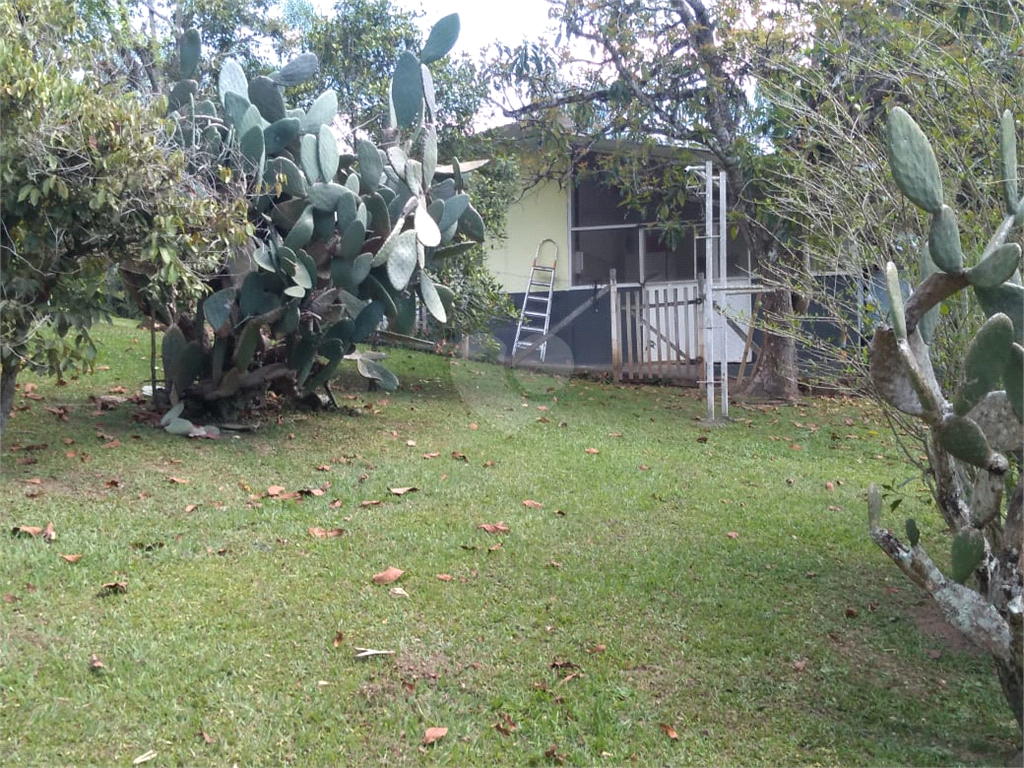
(482, 22)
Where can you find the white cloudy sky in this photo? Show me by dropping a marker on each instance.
(483, 22)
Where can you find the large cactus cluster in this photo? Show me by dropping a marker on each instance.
(342, 239)
(975, 451)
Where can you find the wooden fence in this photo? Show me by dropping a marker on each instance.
(657, 332)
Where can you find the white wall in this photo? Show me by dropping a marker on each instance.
(541, 213)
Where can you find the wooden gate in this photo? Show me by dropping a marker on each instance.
(657, 332)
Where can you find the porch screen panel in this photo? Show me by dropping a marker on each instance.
(601, 250)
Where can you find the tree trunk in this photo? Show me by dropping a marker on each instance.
(8, 381)
(776, 374)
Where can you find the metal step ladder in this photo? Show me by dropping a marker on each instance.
(535, 315)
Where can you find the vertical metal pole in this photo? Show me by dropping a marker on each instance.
(709, 282)
(613, 303)
(723, 272)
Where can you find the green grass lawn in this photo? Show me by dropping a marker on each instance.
(678, 594)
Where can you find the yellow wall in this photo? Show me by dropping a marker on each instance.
(541, 213)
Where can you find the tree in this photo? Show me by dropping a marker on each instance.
(977, 436)
(954, 66)
(671, 72)
(90, 179)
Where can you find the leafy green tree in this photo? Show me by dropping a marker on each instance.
(667, 72)
(89, 179)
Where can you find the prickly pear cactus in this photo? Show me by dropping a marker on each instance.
(343, 239)
(977, 434)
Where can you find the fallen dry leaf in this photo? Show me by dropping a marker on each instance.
(591, 451)
(26, 530)
(444, 577)
(370, 503)
(145, 757)
(432, 455)
(190, 508)
(799, 665)
(732, 535)
(598, 649)
(178, 480)
(506, 725)
(338, 639)
(324, 468)
(433, 734)
(206, 737)
(498, 527)
(669, 731)
(71, 558)
(474, 426)
(933, 654)
(49, 534)
(398, 592)
(459, 456)
(496, 547)
(532, 504)
(403, 491)
(614, 434)
(275, 490)
(320, 533)
(113, 588)
(387, 576)
(95, 663)
(490, 463)
(829, 486)
(410, 443)
(851, 612)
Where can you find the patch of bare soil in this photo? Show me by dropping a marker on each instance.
(930, 622)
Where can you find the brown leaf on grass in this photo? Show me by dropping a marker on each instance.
(459, 456)
(432, 455)
(591, 451)
(409, 687)
(94, 663)
(614, 434)
(433, 734)
(177, 480)
(68, 440)
(338, 638)
(498, 527)
(795, 447)
(9, 598)
(669, 731)
(206, 737)
(532, 504)
(388, 576)
(558, 664)
(332, 533)
(799, 665)
(115, 443)
(598, 648)
(27, 460)
(496, 547)
(490, 463)
(26, 531)
(829, 486)
(275, 490)
(403, 491)
(114, 482)
(411, 443)
(324, 468)
(50, 534)
(444, 577)
(370, 503)
(144, 547)
(71, 558)
(61, 413)
(113, 588)
(474, 426)
(553, 564)
(506, 725)
(552, 753)
(851, 612)
(732, 535)
(933, 653)
(190, 508)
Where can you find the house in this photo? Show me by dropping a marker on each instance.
(653, 323)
